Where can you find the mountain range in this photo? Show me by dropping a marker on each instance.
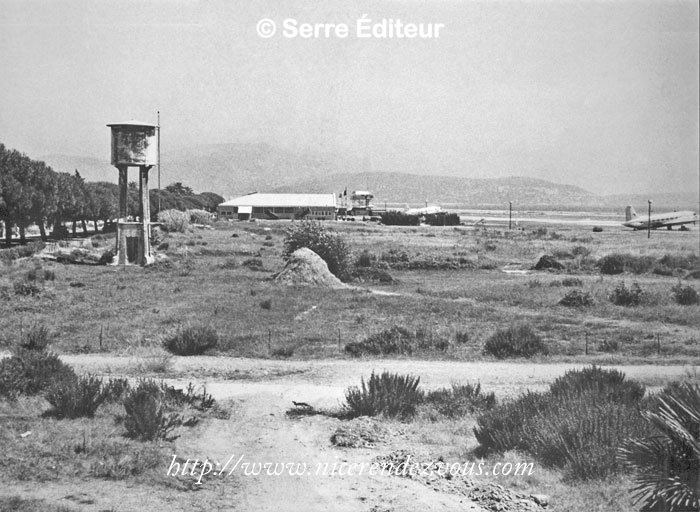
(240, 168)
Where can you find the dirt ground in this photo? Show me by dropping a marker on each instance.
(259, 393)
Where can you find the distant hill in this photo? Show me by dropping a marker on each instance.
(92, 169)
(448, 190)
(239, 168)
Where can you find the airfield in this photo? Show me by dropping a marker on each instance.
(279, 344)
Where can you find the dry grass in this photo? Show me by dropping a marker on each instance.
(198, 283)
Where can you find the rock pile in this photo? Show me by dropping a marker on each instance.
(306, 268)
(548, 262)
(489, 496)
(361, 432)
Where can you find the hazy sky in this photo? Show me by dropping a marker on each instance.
(598, 94)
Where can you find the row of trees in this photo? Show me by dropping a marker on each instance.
(32, 193)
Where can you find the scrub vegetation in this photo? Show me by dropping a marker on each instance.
(448, 293)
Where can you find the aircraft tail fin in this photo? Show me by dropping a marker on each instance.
(630, 213)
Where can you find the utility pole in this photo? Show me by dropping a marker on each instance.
(159, 192)
(649, 221)
(510, 214)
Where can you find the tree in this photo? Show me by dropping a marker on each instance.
(179, 189)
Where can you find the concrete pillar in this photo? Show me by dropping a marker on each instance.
(145, 214)
(123, 201)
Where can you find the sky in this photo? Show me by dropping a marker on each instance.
(603, 95)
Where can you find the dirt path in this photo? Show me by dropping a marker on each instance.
(260, 431)
(259, 392)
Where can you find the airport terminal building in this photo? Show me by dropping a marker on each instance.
(279, 206)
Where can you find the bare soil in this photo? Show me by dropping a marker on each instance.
(259, 392)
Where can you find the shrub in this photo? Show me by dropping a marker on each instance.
(115, 389)
(26, 288)
(608, 384)
(147, 418)
(668, 463)
(253, 263)
(396, 340)
(461, 337)
(571, 281)
(283, 352)
(442, 219)
(623, 296)
(683, 261)
(37, 337)
(393, 218)
(230, 263)
(611, 264)
(191, 340)
(331, 247)
(177, 398)
(30, 372)
(200, 217)
(685, 295)
(576, 299)
(609, 346)
(76, 398)
(460, 400)
(389, 394)
(516, 341)
(581, 250)
(618, 263)
(174, 221)
(563, 254)
(22, 251)
(365, 259)
(577, 425)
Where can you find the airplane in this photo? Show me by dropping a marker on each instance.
(658, 220)
(428, 210)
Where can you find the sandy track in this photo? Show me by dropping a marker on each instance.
(259, 392)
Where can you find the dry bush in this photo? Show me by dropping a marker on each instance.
(685, 295)
(388, 394)
(576, 299)
(191, 340)
(76, 398)
(30, 372)
(147, 417)
(174, 221)
(623, 296)
(459, 400)
(518, 340)
(578, 425)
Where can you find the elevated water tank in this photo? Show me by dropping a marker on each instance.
(134, 143)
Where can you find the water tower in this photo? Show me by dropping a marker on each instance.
(134, 144)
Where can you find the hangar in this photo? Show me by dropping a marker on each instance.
(279, 206)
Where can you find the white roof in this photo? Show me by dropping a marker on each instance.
(288, 200)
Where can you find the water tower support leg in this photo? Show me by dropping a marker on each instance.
(145, 210)
(123, 195)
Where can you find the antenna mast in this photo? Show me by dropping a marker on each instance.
(159, 192)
